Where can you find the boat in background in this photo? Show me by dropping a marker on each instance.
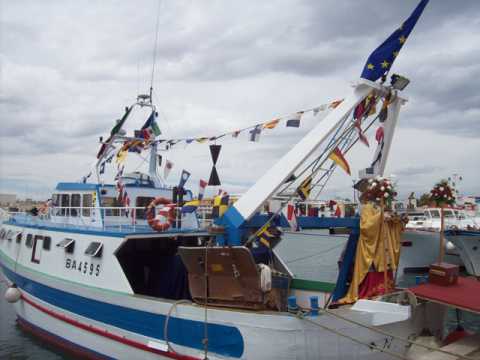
(467, 243)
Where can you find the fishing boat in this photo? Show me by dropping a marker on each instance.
(136, 269)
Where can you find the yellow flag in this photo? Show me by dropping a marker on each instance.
(121, 156)
(337, 156)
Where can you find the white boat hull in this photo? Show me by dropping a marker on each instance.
(467, 244)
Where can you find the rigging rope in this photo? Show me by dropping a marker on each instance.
(314, 254)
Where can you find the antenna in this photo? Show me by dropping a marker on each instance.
(154, 59)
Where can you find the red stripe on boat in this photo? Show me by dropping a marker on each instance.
(105, 333)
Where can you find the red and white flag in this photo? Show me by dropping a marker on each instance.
(201, 190)
(292, 217)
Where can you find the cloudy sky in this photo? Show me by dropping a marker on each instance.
(68, 68)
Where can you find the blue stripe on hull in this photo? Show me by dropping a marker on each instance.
(223, 339)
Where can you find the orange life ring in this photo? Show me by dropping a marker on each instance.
(165, 217)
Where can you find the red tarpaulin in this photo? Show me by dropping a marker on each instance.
(464, 295)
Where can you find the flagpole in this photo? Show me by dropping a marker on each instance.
(442, 237)
(384, 246)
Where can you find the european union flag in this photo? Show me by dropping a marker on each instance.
(382, 58)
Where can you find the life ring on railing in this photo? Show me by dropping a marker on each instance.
(165, 217)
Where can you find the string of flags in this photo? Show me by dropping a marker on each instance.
(254, 131)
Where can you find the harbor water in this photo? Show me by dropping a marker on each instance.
(310, 255)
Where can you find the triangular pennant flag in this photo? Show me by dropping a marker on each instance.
(236, 133)
(167, 169)
(183, 178)
(305, 188)
(214, 179)
(215, 151)
(337, 156)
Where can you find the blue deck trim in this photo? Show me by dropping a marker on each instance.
(110, 231)
(314, 222)
(71, 186)
(223, 339)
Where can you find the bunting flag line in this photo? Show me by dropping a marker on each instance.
(201, 189)
(183, 178)
(381, 59)
(254, 131)
(305, 188)
(214, 180)
(294, 121)
(167, 169)
(337, 157)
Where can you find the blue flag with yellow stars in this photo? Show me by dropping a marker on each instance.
(381, 59)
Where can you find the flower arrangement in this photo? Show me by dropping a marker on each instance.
(379, 189)
(442, 194)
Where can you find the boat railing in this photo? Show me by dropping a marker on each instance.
(109, 218)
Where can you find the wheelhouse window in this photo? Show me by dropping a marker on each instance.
(29, 240)
(10, 235)
(3, 232)
(94, 249)
(18, 239)
(435, 214)
(47, 241)
(67, 244)
(37, 249)
(87, 204)
(111, 202)
(142, 201)
(448, 214)
(75, 204)
(65, 204)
